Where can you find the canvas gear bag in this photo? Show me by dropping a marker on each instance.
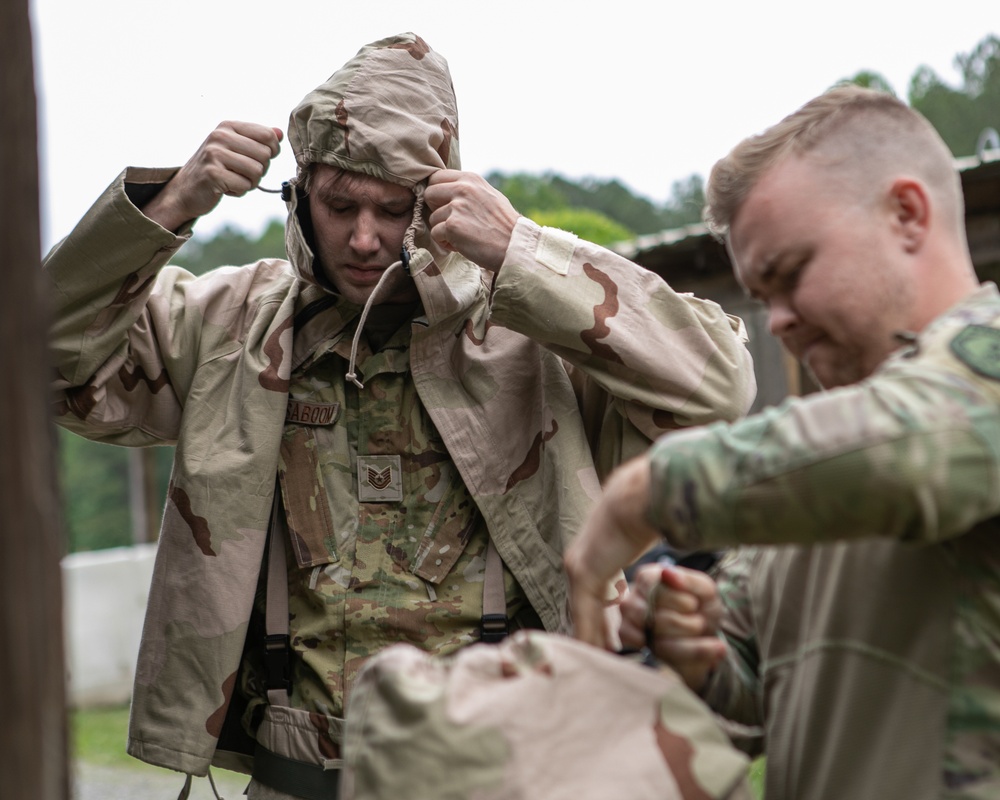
(537, 717)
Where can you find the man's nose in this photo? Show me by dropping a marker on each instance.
(364, 235)
(781, 318)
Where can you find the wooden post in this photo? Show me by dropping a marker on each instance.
(33, 737)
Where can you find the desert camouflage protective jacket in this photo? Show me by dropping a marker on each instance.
(538, 379)
(868, 646)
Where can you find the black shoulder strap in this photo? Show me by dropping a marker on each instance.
(277, 646)
(495, 625)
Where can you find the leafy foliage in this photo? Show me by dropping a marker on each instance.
(687, 199)
(95, 493)
(872, 80)
(94, 480)
(590, 225)
(531, 194)
(232, 247)
(961, 114)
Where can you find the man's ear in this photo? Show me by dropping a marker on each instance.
(910, 207)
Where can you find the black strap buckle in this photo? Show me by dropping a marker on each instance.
(295, 778)
(494, 628)
(277, 661)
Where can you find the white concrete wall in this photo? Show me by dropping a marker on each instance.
(104, 596)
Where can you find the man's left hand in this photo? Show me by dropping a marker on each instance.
(469, 216)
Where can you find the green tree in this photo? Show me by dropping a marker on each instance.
(231, 246)
(613, 199)
(687, 199)
(95, 493)
(960, 114)
(585, 223)
(94, 478)
(531, 194)
(868, 79)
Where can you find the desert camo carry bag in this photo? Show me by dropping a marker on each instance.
(537, 717)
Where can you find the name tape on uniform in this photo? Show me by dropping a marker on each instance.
(303, 413)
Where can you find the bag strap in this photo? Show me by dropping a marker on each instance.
(277, 645)
(495, 626)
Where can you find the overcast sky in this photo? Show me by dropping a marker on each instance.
(645, 91)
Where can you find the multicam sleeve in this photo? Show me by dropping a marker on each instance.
(734, 690)
(910, 454)
(645, 359)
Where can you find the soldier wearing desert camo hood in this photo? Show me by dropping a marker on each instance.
(411, 406)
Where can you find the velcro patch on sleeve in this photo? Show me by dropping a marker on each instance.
(555, 249)
(978, 347)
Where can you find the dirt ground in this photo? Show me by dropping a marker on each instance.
(93, 782)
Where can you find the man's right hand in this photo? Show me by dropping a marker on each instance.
(682, 625)
(231, 161)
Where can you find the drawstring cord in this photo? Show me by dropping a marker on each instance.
(409, 246)
(186, 788)
(352, 374)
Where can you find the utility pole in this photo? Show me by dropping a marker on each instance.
(33, 734)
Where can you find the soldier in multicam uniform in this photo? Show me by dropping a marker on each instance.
(412, 405)
(865, 649)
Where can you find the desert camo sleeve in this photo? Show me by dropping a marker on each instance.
(128, 331)
(644, 359)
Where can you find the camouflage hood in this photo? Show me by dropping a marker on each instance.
(389, 112)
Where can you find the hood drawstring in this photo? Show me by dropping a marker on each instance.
(409, 246)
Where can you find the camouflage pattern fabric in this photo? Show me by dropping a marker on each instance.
(363, 575)
(537, 716)
(868, 646)
(538, 380)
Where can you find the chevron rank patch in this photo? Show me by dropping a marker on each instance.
(978, 347)
(380, 479)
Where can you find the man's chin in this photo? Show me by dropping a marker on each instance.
(831, 376)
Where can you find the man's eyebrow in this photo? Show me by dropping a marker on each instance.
(774, 262)
(402, 203)
(766, 275)
(332, 196)
(328, 194)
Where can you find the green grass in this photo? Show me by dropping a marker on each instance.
(757, 777)
(98, 737)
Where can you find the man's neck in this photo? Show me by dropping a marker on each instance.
(385, 319)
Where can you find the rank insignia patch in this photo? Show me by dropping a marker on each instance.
(978, 347)
(380, 479)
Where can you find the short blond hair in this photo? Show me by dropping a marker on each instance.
(861, 133)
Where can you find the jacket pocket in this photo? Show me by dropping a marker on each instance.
(452, 522)
(318, 497)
